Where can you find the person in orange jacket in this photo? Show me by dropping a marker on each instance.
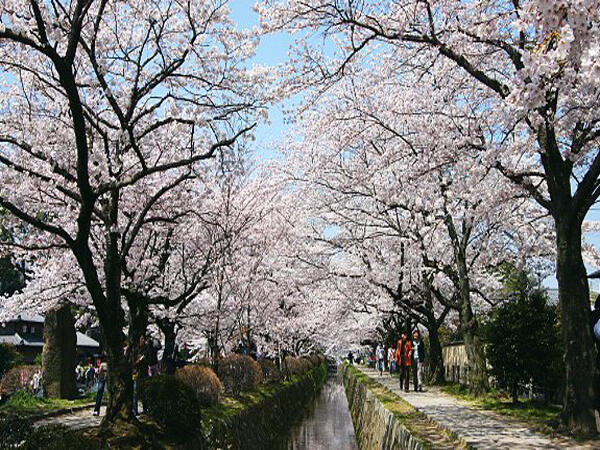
(404, 360)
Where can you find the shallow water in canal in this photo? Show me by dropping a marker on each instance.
(327, 424)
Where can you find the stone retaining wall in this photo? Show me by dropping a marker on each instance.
(375, 427)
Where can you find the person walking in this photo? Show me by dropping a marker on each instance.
(399, 358)
(102, 378)
(404, 360)
(350, 357)
(408, 354)
(418, 359)
(36, 382)
(391, 360)
(380, 357)
(90, 375)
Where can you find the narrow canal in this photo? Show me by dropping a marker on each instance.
(327, 424)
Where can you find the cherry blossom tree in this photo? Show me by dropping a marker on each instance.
(397, 179)
(102, 101)
(532, 67)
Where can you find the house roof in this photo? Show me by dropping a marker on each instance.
(12, 339)
(17, 339)
(32, 341)
(86, 341)
(25, 317)
(36, 318)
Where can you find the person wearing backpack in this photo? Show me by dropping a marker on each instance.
(380, 358)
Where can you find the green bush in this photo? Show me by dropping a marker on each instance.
(203, 381)
(239, 373)
(172, 403)
(522, 337)
(13, 431)
(58, 437)
(270, 371)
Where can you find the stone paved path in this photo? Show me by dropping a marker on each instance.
(480, 429)
(77, 420)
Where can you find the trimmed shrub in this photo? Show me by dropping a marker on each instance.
(296, 366)
(239, 373)
(203, 381)
(316, 359)
(172, 403)
(270, 371)
(58, 437)
(13, 431)
(11, 382)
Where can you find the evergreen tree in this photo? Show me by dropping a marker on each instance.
(523, 337)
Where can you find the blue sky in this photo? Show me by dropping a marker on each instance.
(273, 50)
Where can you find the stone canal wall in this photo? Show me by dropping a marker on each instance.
(264, 423)
(376, 428)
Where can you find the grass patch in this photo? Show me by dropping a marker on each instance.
(540, 416)
(24, 403)
(419, 425)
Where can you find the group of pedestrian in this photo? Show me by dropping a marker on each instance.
(86, 375)
(406, 358)
(410, 357)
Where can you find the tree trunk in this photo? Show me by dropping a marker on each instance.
(514, 393)
(120, 387)
(477, 370)
(112, 320)
(574, 299)
(214, 345)
(168, 359)
(138, 319)
(435, 359)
